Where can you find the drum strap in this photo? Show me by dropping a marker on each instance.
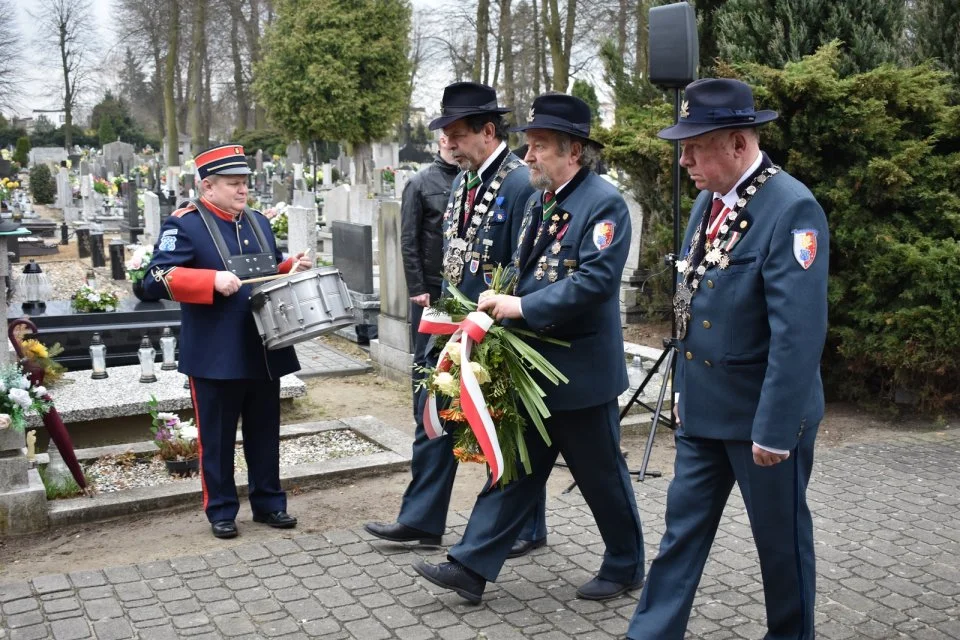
(245, 265)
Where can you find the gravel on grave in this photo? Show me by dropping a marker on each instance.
(67, 276)
(127, 471)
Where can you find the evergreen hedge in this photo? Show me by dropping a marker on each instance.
(42, 186)
(881, 151)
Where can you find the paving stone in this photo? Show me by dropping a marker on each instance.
(122, 575)
(72, 629)
(234, 625)
(103, 608)
(51, 584)
(113, 629)
(87, 578)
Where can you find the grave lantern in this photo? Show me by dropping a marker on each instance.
(91, 278)
(35, 287)
(168, 347)
(98, 358)
(147, 354)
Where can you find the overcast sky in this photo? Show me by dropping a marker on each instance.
(37, 93)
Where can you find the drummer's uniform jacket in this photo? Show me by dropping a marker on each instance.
(218, 334)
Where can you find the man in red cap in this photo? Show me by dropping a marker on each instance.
(232, 375)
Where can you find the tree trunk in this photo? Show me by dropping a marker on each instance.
(537, 46)
(169, 103)
(544, 16)
(158, 88)
(207, 97)
(483, 26)
(622, 10)
(196, 79)
(362, 156)
(506, 47)
(643, 40)
(252, 27)
(67, 88)
(238, 82)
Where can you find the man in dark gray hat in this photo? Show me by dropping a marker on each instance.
(480, 228)
(751, 312)
(572, 249)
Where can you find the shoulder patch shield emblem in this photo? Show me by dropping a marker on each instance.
(805, 246)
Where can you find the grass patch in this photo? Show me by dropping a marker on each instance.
(58, 489)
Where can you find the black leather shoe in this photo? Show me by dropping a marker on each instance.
(454, 576)
(277, 519)
(523, 547)
(224, 528)
(396, 532)
(600, 589)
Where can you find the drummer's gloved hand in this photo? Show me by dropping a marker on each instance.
(226, 283)
(302, 262)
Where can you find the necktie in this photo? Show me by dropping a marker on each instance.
(473, 183)
(714, 213)
(549, 204)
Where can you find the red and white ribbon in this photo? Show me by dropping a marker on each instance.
(472, 330)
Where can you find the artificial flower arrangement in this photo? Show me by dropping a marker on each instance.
(37, 352)
(176, 439)
(19, 398)
(139, 261)
(484, 377)
(104, 187)
(118, 182)
(87, 298)
(388, 175)
(277, 215)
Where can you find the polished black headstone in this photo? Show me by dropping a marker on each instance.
(117, 267)
(83, 242)
(121, 330)
(97, 258)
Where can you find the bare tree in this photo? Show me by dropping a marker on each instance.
(169, 99)
(11, 50)
(143, 25)
(506, 49)
(198, 58)
(480, 53)
(65, 29)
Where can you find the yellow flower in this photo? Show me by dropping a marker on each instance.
(35, 348)
(482, 375)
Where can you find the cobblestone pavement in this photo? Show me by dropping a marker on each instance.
(888, 539)
(317, 359)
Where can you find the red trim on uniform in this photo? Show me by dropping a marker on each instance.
(194, 286)
(223, 214)
(179, 213)
(196, 417)
(286, 266)
(226, 151)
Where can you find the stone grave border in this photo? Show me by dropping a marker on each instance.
(117, 504)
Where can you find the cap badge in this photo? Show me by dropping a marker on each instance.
(684, 109)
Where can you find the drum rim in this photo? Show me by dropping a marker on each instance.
(290, 278)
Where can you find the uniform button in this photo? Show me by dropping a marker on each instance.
(710, 284)
(708, 363)
(706, 324)
(689, 356)
(246, 242)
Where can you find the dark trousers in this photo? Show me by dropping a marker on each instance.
(218, 405)
(418, 342)
(427, 498)
(589, 440)
(776, 503)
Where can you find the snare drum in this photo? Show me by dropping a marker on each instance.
(301, 306)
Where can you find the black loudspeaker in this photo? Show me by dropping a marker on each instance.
(674, 46)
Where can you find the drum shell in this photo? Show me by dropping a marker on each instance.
(301, 306)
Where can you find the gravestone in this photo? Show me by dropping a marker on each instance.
(281, 193)
(259, 160)
(302, 223)
(400, 180)
(327, 169)
(392, 349)
(83, 242)
(116, 249)
(295, 153)
(386, 154)
(633, 276)
(336, 205)
(353, 256)
(97, 258)
(151, 218)
(64, 191)
(118, 156)
(131, 214)
(51, 156)
(88, 197)
(23, 499)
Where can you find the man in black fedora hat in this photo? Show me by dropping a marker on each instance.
(751, 314)
(572, 249)
(480, 228)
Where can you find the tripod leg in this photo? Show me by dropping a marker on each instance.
(667, 370)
